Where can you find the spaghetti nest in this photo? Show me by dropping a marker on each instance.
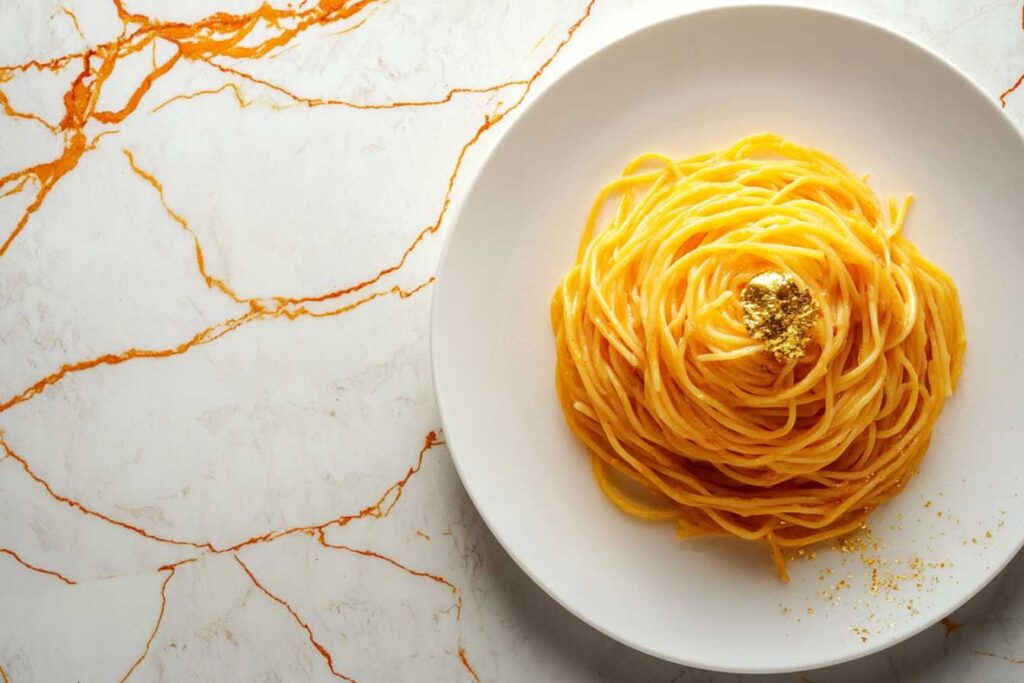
(662, 376)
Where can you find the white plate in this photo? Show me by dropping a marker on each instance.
(878, 102)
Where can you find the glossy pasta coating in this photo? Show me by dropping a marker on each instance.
(659, 376)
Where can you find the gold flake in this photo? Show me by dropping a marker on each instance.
(780, 313)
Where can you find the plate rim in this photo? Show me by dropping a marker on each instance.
(985, 578)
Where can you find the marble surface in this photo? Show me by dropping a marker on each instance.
(219, 448)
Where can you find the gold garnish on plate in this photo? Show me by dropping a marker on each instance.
(780, 313)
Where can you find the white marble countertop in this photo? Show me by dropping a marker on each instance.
(218, 458)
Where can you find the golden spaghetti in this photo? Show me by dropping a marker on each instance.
(665, 364)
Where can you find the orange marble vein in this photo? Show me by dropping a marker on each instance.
(46, 174)
(242, 102)
(395, 563)
(429, 442)
(15, 189)
(489, 122)
(51, 172)
(268, 306)
(377, 510)
(381, 508)
(347, 29)
(9, 453)
(203, 337)
(995, 656)
(211, 282)
(464, 658)
(40, 570)
(1006, 93)
(170, 569)
(74, 20)
(257, 312)
(312, 102)
(10, 111)
(3, 676)
(220, 35)
(299, 620)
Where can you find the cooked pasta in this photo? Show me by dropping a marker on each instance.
(750, 346)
